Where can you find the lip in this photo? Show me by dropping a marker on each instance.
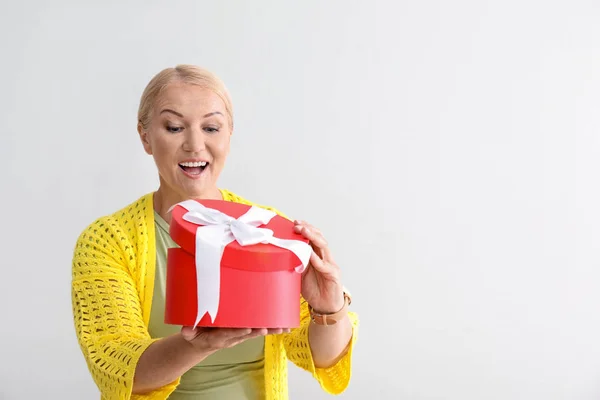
(190, 176)
(193, 160)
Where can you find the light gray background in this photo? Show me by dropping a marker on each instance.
(448, 149)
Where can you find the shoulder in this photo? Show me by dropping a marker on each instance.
(120, 225)
(236, 198)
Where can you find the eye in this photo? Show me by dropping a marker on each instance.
(211, 129)
(174, 129)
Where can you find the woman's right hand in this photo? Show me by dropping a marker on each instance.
(210, 340)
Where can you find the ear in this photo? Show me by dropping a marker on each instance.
(144, 138)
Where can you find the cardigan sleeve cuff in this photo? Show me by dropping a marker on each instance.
(333, 379)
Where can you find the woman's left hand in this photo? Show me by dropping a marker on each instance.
(321, 281)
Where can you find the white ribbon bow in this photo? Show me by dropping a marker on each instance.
(217, 231)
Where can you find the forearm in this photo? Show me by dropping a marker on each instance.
(164, 361)
(328, 343)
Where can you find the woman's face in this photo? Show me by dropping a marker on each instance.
(188, 136)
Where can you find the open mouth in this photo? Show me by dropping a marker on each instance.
(193, 168)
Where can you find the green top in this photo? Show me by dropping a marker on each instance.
(234, 373)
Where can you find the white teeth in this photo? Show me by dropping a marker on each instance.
(193, 164)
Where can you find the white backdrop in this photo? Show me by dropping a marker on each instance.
(448, 150)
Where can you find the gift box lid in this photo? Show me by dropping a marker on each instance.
(256, 257)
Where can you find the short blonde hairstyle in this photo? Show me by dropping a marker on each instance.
(190, 74)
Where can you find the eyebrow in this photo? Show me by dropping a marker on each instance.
(181, 115)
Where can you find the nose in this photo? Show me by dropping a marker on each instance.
(194, 141)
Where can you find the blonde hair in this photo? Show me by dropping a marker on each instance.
(190, 74)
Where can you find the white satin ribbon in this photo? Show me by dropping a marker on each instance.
(217, 230)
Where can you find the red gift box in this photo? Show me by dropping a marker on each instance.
(238, 266)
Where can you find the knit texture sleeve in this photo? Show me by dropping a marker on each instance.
(334, 379)
(107, 314)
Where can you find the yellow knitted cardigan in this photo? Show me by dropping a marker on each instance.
(112, 285)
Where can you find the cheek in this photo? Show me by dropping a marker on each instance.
(163, 148)
(221, 149)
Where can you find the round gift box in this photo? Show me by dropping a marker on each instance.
(259, 287)
(248, 299)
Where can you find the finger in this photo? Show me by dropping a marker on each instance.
(319, 264)
(219, 338)
(246, 333)
(229, 333)
(326, 254)
(189, 333)
(318, 241)
(260, 332)
(254, 333)
(310, 227)
(213, 337)
(303, 224)
(322, 244)
(268, 331)
(314, 236)
(226, 333)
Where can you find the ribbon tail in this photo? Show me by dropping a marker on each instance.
(302, 250)
(209, 250)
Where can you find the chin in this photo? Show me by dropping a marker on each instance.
(184, 189)
(200, 193)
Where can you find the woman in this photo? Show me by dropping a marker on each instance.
(118, 287)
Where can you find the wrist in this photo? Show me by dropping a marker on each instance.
(330, 318)
(330, 308)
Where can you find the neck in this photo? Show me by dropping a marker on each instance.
(164, 198)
